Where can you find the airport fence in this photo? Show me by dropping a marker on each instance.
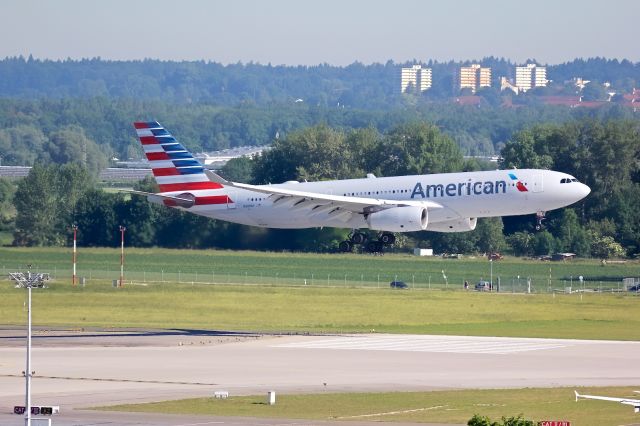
(426, 281)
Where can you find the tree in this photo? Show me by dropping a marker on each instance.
(523, 151)
(544, 243)
(316, 153)
(37, 205)
(490, 236)
(21, 145)
(417, 148)
(594, 91)
(46, 202)
(97, 219)
(238, 170)
(478, 420)
(71, 145)
(605, 247)
(521, 243)
(7, 209)
(567, 230)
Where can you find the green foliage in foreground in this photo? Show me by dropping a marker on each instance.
(279, 302)
(434, 407)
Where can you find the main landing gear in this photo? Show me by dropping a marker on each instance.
(372, 246)
(539, 218)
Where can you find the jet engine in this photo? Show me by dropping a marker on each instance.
(456, 225)
(399, 219)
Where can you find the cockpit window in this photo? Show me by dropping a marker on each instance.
(568, 180)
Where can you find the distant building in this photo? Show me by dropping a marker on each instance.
(474, 77)
(506, 84)
(417, 77)
(530, 76)
(580, 82)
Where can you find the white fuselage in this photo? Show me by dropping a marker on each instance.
(462, 195)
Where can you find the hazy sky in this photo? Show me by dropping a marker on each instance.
(311, 32)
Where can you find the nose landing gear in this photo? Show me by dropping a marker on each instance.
(539, 218)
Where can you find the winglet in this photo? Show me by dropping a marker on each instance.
(216, 178)
(577, 395)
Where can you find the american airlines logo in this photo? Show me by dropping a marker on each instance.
(519, 184)
(461, 188)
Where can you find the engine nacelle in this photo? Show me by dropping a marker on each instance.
(399, 219)
(456, 225)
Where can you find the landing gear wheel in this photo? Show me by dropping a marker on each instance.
(539, 218)
(387, 238)
(358, 238)
(345, 246)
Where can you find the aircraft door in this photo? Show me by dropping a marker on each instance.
(232, 198)
(537, 183)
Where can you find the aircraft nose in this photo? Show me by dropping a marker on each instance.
(582, 191)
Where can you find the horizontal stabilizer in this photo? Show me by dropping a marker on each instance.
(167, 200)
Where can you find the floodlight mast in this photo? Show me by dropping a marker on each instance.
(122, 229)
(74, 279)
(28, 367)
(28, 281)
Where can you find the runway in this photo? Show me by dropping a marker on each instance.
(85, 369)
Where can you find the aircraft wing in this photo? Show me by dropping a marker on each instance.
(628, 401)
(322, 202)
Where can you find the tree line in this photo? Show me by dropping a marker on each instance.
(603, 154)
(375, 86)
(99, 129)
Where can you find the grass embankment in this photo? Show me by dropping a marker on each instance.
(271, 307)
(432, 407)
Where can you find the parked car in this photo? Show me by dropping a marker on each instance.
(398, 284)
(634, 288)
(483, 286)
(495, 256)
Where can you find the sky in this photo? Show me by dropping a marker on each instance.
(337, 32)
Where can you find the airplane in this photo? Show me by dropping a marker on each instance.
(443, 202)
(628, 401)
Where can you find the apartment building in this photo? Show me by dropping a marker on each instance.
(474, 77)
(530, 76)
(416, 77)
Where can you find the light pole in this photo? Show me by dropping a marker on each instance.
(491, 274)
(75, 233)
(28, 281)
(122, 229)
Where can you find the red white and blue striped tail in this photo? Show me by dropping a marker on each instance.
(173, 166)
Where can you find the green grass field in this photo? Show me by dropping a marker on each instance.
(246, 267)
(282, 303)
(436, 407)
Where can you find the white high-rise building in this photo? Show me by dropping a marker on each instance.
(530, 76)
(416, 76)
(474, 77)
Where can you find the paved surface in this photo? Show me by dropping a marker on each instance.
(77, 369)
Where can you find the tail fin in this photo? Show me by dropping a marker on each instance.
(174, 168)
